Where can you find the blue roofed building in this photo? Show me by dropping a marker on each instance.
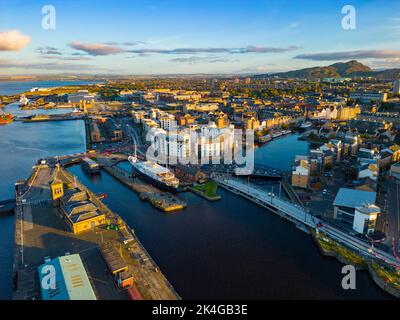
(347, 200)
(65, 278)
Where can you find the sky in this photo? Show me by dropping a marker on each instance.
(140, 37)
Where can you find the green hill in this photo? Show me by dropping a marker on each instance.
(339, 70)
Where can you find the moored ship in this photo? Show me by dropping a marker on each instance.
(23, 101)
(277, 135)
(155, 174)
(305, 126)
(264, 139)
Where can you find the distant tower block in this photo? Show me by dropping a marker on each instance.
(57, 191)
(396, 87)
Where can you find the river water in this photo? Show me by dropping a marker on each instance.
(14, 87)
(21, 145)
(228, 249)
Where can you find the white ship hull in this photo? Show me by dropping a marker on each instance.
(155, 174)
(23, 101)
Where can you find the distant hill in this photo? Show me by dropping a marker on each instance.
(338, 70)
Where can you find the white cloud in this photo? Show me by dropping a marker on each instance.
(96, 49)
(348, 55)
(7, 64)
(13, 40)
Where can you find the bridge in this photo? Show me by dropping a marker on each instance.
(259, 171)
(65, 160)
(302, 217)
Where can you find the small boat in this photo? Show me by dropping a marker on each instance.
(264, 139)
(23, 101)
(277, 135)
(305, 126)
(6, 118)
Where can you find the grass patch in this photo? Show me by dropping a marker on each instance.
(209, 188)
(390, 277)
(328, 245)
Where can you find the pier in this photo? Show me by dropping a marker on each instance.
(41, 232)
(48, 118)
(161, 200)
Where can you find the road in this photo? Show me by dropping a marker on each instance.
(133, 134)
(393, 212)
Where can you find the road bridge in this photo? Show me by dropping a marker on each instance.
(299, 215)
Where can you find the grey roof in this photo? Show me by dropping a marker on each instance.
(352, 198)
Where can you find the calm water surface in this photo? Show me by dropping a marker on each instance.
(14, 87)
(230, 249)
(21, 145)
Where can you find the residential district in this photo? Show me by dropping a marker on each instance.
(344, 192)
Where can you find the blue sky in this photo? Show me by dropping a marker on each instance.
(174, 36)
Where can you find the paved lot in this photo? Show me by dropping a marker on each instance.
(321, 203)
(41, 232)
(46, 235)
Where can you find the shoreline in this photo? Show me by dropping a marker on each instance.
(366, 265)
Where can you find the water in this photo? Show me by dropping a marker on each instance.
(227, 249)
(280, 153)
(230, 249)
(21, 145)
(14, 87)
(6, 256)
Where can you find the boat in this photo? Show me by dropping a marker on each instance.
(277, 135)
(90, 166)
(264, 139)
(155, 174)
(305, 126)
(37, 118)
(23, 101)
(6, 118)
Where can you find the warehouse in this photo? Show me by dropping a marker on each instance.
(70, 281)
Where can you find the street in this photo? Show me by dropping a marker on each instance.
(393, 212)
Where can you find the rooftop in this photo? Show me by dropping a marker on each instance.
(352, 198)
(72, 282)
(369, 209)
(397, 164)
